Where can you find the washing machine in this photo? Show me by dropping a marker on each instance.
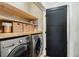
(37, 44)
(16, 47)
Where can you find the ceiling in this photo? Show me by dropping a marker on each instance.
(53, 4)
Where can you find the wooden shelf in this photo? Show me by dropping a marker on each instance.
(3, 18)
(9, 35)
(15, 11)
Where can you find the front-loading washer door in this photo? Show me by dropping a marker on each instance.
(19, 51)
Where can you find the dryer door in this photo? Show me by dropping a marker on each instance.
(38, 46)
(20, 51)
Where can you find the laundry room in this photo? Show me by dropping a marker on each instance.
(21, 29)
(39, 29)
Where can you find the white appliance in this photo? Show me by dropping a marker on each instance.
(16, 47)
(37, 44)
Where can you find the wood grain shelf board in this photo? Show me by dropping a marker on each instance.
(3, 18)
(15, 11)
(7, 35)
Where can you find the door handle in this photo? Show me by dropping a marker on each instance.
(9, 46)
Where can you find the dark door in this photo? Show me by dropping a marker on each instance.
(56, 31)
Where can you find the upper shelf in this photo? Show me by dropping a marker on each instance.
(16, 20)
(15, 11)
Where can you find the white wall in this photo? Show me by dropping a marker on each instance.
(25, 6)
(74, 30)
